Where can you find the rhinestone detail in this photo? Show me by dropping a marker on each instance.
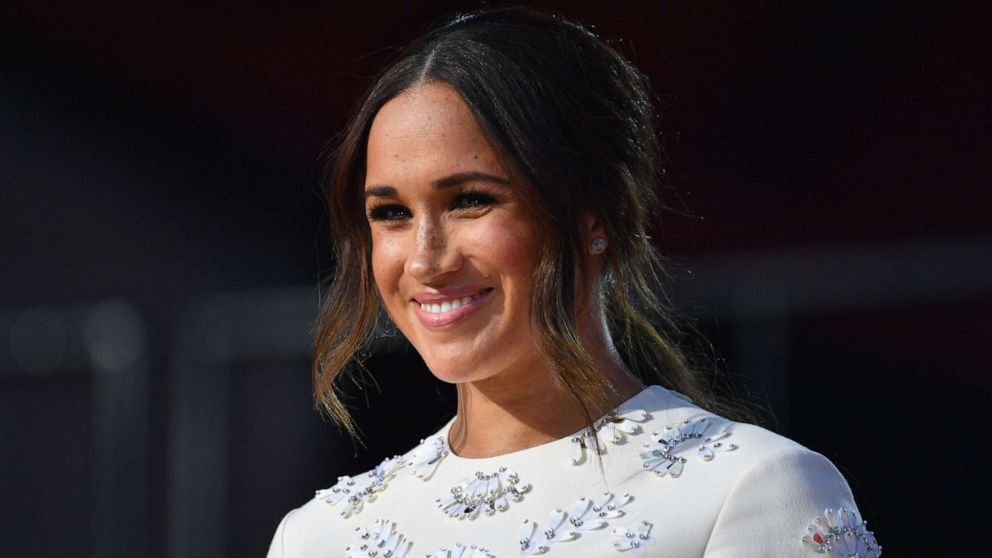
(483, 492)
(462, 551)
(841, 533)
(666, 454)
(627, 539)
(356, 491)
(613, 428)
(426, 458)
(586, 514)
(378, 541)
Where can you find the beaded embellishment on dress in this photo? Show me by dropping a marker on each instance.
(355, 491)
(626, 539)
(462, 551)
(379, 541)
(666, 455)
(529, 545)
(584, 515)
(428, 455)
(840, 533)
(483, 492)
(614, 427)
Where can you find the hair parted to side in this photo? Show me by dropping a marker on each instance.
(573, 123)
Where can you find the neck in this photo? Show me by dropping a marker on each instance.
(497, 416)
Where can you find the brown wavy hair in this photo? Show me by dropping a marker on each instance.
(573, 122)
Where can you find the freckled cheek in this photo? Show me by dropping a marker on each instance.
(509, 251)
(387, 266)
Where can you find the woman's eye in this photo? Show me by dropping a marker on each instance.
(472, 200)
(389, 213)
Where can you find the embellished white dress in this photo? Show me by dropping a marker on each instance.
(676, 481)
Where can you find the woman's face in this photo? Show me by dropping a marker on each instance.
(453, 248)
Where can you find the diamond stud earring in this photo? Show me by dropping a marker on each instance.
(598, 246)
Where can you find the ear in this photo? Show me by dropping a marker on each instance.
(592, 231)
(590, 269)
(591, 225)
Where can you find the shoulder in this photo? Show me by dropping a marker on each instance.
(761, 493)
(674, 420)
(327, 519)
(788, 501)
(679, 428)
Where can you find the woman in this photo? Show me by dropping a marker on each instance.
(490, 197)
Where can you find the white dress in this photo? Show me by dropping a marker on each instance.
(673, 480)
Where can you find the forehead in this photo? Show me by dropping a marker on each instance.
(427, 130)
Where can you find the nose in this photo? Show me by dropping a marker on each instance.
(433, 254)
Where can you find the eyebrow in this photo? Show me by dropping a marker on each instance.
(382, 190)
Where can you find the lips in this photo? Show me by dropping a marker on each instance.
(448, 307)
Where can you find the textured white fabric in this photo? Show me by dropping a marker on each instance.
(756, 500)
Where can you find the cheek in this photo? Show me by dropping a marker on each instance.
(387, 265)
(510, 251)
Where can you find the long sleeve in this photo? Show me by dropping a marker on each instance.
(770, 510)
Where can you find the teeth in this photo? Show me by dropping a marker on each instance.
(448, 305)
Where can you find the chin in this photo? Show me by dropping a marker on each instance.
(458, 370)
(451, 374)
(453, 363)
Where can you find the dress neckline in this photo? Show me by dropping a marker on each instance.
(648, 399)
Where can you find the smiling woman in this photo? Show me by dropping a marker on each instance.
(453, 247)
(490, 198)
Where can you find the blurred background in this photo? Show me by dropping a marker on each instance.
(162, 243)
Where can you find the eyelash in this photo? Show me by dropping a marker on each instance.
(467, 200)
(471, 199)
(388, 212)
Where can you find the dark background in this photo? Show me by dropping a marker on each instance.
(161, 243)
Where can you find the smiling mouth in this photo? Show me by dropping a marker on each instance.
(449, 305)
